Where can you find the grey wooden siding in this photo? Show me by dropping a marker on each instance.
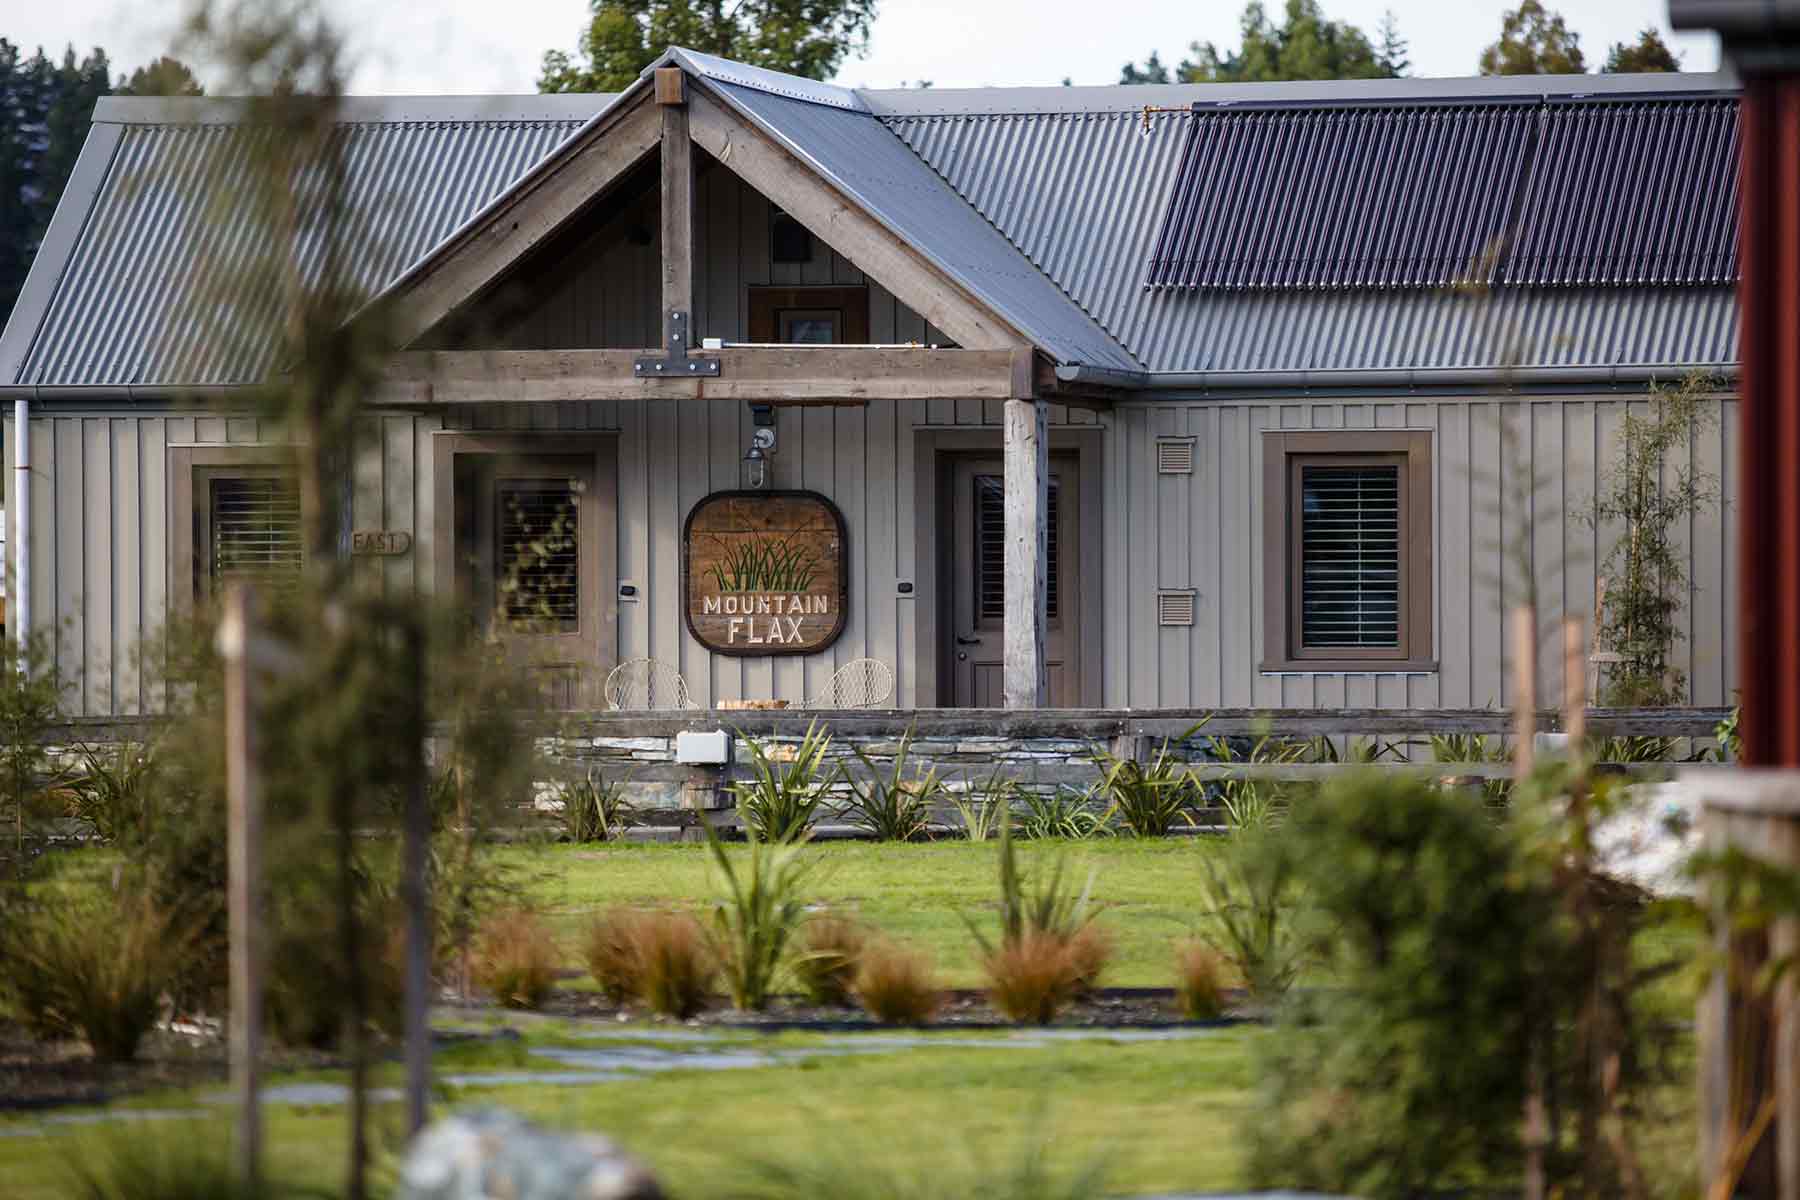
(612, 298)
(1204, 531)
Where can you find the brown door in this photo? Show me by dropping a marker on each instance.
(976, 572)
(526, 533)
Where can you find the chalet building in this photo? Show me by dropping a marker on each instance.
(1168, 396)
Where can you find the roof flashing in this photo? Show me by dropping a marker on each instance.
(776, 83)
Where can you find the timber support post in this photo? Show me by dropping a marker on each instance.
(243, 851)
(1027, 486)
(677, 238)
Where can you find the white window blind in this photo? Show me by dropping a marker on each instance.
(1350, 556)
(540, 552)
(255, 527)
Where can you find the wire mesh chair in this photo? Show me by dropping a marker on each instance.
(645, 683)
(860, 683)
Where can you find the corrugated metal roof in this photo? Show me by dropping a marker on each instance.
(1345, 196)
(131, 305)
(1081, 195)
(1630, 192)
(859, 156)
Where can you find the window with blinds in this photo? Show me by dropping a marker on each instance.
(1350, 550)
(254, 530)
(990, 549)
(539, 552)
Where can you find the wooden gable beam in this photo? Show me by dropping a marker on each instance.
(842, 224)
(677, 208)
(530, 215)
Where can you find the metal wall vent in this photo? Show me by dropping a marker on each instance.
(1174, 456)
(1175, 608)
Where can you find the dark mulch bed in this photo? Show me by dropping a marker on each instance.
(966, 1008)
(40, 1074)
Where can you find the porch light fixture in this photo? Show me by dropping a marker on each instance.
(756, 459)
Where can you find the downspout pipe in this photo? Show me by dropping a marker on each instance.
(19, 619)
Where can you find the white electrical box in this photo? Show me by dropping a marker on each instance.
(705, 747)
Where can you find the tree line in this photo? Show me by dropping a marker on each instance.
(45, 109)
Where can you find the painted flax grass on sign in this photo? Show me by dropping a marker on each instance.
(917, 893)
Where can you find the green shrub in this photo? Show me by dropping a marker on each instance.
(306, 977)
(1407, 1076)
(1200, 981)
(830, 950)
(1031, 979)
(757, 917)
(1064, 812)
(31, 692)
(516, 959)
(781, 799)
(610, 949)
(888, 805)
(593, 809)
(676, 968)
(982, 810)
(91, 969)
(112, 794)
(1148, 799)
(1248, 897)
(896, 986)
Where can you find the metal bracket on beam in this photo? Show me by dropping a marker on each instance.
(677, 363)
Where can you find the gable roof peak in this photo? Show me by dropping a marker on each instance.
(761, 79)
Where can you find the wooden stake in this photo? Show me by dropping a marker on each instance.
(1524, 622)
(417, 899)
(237, 633)
(1026, 482)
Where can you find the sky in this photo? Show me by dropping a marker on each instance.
(478, 46)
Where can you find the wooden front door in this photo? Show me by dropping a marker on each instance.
(526, 538)
(975, 573)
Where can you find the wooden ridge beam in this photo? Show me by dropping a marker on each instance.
(430, 377)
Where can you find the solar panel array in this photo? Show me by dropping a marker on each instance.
(1554, 192)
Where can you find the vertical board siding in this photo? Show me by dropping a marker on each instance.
(1513, 481)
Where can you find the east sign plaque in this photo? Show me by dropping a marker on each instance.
(765, 572)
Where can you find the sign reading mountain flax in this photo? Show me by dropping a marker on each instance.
(764, 572)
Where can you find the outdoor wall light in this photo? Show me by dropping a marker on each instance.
(756, 459)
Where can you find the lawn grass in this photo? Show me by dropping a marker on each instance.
(1159, 1115)
(917, 893)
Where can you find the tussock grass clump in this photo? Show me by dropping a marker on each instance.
(1090, 953)
(896, 986)
(830, 953)
(1200, 981)
(92, 971)
(594, 808)
(782, 797)
(676, 969)
(1033, 978)
(609, 948)
(516, 959)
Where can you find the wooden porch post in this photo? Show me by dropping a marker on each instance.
(677, 210)
(1027, 509)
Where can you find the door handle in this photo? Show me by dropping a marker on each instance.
(968, 640)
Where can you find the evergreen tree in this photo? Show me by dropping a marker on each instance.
(802, 37)
(1392, 50)
(1534, 40)
(1152, 71)
(1306, 45)
(164, 77)
(1648, 53)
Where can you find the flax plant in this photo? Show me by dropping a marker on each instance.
(758, 915)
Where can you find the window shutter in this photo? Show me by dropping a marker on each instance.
(256, 535)
(540, 559)
(1350, 556)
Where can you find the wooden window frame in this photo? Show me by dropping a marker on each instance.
(191, 471)
(599, 618)
(852, 303)
(1284, 453)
